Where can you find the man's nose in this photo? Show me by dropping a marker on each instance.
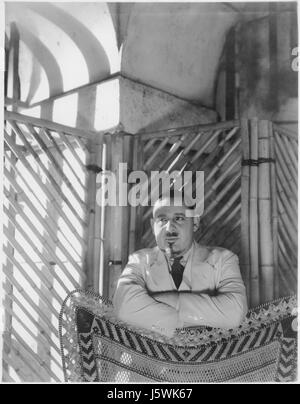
(170, 226)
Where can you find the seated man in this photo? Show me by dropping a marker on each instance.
(180, 283)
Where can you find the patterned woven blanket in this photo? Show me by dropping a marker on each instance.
(96, 347)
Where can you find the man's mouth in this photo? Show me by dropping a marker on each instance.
(171, 239)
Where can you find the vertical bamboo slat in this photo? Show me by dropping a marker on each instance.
(253, 225)
(11, 231)
(90, 217)
(98, 225)
(265, 213)
(116, 236)
(132, 225)
(274, 210)
(245, 185)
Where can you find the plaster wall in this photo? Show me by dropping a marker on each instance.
(176, 47)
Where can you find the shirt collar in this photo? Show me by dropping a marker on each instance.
(185, 256)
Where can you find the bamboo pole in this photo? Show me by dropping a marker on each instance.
(64, 159)
(288, 273)
(44, 189)
(37, 200)
(286, 161)
(189, 130)
(34, 356)
(232, 238)
(287, 221)
(132, 223)
(45, 225)
(226, 206)
(17, 361)
(292, 148)
(204, 147)
(208, 235)
(139, 209)
(290, 151)
(148, 144)
(50, 213)
(228, 187)
(253, 219)
(44, 242)
(224, 175)
(72, 150)
(155, 153)
(6, 378)
(43, 331)
(285, 237)
(37, 337)
(43, 278)
(265, 214)
(56, 165)
(98, 240)
(286, 203)
(90, 219)
(30, 282)
(282, 186)
(286, 132)
(28, 299)
(45, 171)
(289, 254)
(171, 152)
(285, 289)
(116, 236)
(83, 144)
(14, 361)
(274, 208)
(197, 137)
(11, 227)
(43, 123)
(287, 261)
(212, 229)
(223, 159)
(289, 179)
(44, 209)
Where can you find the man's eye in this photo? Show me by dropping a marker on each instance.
(162, 220)
(179, 219)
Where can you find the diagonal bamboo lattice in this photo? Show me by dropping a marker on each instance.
(53, 230)
(214, 149)
(45, 246)
(286, 155)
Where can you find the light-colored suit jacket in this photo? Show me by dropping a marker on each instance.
(212, 292)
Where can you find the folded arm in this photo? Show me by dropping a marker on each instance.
(134, 305)
(226, 309)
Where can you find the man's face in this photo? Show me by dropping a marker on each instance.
(171, 226)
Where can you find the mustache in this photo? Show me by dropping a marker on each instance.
(171, 234)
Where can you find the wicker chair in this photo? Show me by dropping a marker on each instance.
(96, 347)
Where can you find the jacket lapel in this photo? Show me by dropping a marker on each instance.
(160, 272)
(194, 267)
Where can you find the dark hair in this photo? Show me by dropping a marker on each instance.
(172, 196)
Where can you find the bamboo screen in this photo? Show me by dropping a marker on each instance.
(286, 155)
(44, 228)
(214, 149)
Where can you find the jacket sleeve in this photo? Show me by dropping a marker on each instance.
(133, 304)
(227, 308)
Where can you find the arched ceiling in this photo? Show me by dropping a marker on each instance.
(175, 47)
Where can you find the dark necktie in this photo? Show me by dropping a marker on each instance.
(177, 271)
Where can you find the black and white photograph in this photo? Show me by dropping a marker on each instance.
(149, 195)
